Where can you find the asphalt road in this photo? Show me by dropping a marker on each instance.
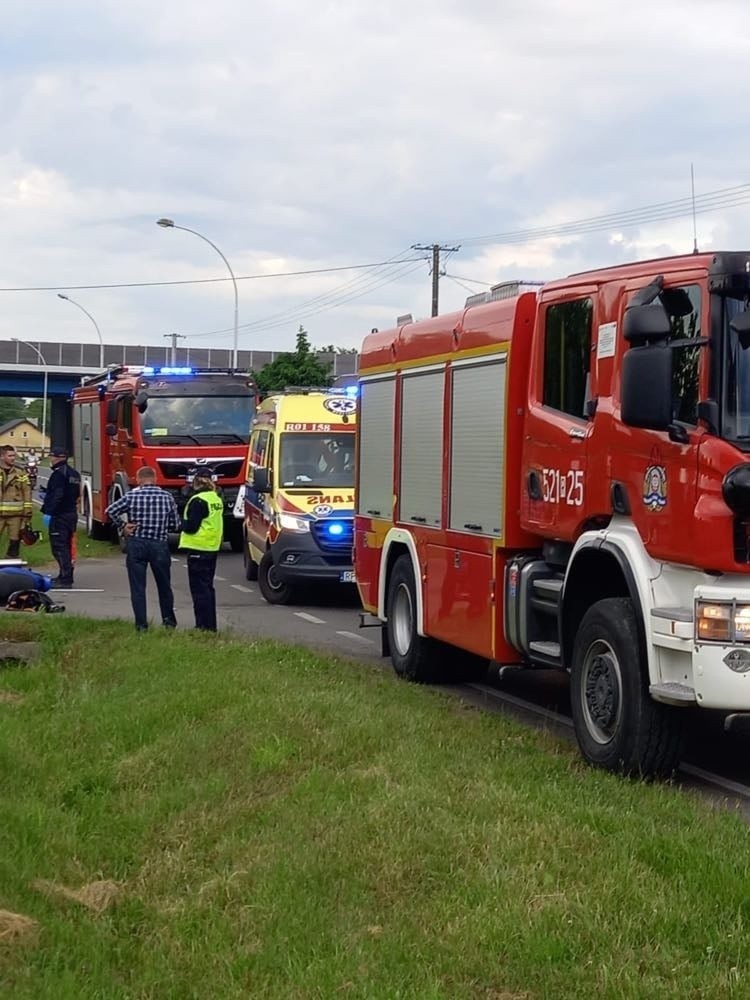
(327, 621)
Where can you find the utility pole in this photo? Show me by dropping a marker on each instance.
(435, 248)
(174, 337)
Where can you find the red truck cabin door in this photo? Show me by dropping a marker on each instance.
(558, 423)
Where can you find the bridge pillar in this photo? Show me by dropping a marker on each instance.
(61, 422)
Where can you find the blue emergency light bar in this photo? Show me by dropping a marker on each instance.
(335, 528)
(167, 370)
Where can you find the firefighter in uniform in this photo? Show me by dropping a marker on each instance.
(15, 499)
(201, 535)
(60, 513)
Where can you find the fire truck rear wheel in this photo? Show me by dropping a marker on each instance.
(618, 725)
(273, 590)
(414, 657)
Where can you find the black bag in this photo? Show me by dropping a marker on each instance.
(32, 600)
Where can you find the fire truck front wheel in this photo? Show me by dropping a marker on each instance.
(618, 725)
(414, 657)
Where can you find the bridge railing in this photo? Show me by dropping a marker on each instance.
(74, 356)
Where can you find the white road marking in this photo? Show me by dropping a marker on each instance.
(221, 579)
(309, 618)
(245, 590)
(359, 638)
(75, 590)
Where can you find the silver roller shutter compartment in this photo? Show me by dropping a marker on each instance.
(376, 424)
(422, 447)
(478, 448)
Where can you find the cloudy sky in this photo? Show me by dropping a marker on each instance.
(300, 137)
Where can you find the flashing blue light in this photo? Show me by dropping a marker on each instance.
(352, 390)
(149, 370)
(335, 528)
(175, 371)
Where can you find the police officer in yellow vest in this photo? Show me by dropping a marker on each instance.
(201, 535)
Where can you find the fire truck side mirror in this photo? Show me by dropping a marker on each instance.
(110, 430)
(644, 324)
(646, 390)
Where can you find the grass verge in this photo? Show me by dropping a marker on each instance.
(185, 817)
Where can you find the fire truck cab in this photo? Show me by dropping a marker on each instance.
(299, 491)
(562, 479)
(178, 420)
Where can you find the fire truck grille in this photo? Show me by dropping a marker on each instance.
(338, 544)
(179, 469)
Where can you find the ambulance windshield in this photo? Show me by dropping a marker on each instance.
(322, 460)
(209, 419)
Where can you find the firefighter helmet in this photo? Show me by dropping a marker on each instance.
(29, 536)
(32, 600)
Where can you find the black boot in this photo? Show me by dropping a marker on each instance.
(13, 549)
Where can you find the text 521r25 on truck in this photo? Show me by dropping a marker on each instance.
(178, 420)
(560, 478)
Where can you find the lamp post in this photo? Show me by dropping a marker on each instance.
(169, 224)
(96, 325)
(44, 391)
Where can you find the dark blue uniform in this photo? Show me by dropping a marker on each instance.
(61, 504)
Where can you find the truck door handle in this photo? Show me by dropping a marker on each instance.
(576, 432)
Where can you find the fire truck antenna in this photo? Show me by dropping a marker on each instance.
(695, 230)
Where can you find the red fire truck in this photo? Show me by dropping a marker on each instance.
(562, 479)
(178, 420)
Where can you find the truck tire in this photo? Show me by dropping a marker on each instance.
(233, 533)
(251, 567)
(618, 725)
(94, 529)
(414, 657)
(273, 590)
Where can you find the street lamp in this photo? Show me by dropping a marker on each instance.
(169, 224)
(44, 392)
(96, 325)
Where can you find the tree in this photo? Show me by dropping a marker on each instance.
(11, 408)
(332, 349)
(300, 367)
(34, 412)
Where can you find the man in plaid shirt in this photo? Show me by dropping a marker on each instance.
(150, 513)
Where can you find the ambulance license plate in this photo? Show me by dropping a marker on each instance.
(347, 576)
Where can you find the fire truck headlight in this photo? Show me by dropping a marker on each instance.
(722, 622)
(290, 523)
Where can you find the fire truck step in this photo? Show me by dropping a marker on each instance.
(551, 650)
(672, 693)
(548, 586)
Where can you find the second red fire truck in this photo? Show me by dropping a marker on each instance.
(178, 420)
(562, 479)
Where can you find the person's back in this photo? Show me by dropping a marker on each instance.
(151, 514)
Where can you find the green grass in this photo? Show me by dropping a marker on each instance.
(40, 556)
(286, 826)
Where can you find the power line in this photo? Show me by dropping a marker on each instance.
(659, 212)
(436, 249)
(458, 281)
(202, 281)
(474, 281)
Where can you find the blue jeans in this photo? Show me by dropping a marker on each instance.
(144, 552)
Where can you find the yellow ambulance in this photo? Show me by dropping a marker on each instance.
(299, 492)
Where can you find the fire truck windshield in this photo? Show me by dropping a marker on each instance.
(323, 460)
(220, 419)
(735, 377)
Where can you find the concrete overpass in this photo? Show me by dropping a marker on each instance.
(22, 371)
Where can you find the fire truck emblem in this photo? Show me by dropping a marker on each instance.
(655, 487)
(340, 405)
